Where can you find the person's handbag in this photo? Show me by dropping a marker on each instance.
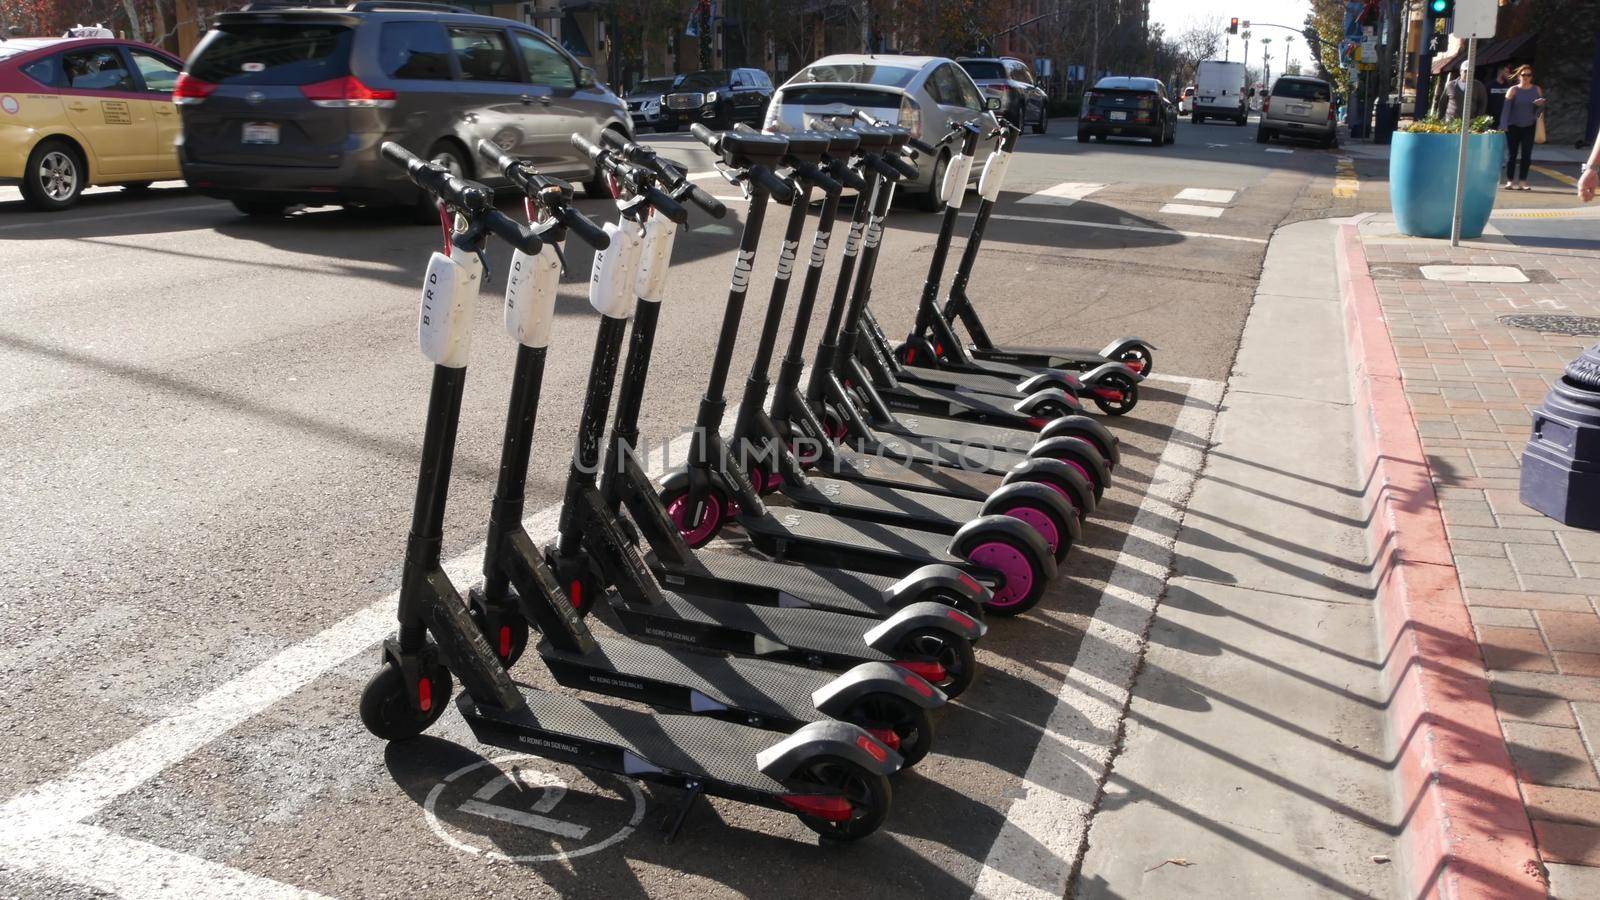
(1538, 128)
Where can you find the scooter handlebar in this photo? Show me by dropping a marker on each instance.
(814, 174)
(438, 181)
(583, 226)
(712, 206)
(772, 184)
(917, 144)
(904, 169)
(645, 155)
(849, 176)
(630, 175)
(665, 205)
(512, 232)
(706, 136)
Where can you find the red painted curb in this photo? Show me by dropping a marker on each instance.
(1464, 832)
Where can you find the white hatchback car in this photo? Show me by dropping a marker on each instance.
(927, 94)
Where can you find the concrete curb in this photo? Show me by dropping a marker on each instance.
(1464, 832)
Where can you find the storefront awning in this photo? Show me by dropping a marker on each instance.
(1503, 50)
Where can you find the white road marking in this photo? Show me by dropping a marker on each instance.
(1279, 150)
(1206, 195)
(1048, 823)
(1189, 209)
(528, 820)
(1142, 229)
(1215, 146)
(47, 221)
(1063, 194)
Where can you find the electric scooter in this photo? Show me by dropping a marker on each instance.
(594, 549)
(890, 703)
(742, 577)
(832, 774)
(713, 488)
(936, 339)
(772, 466)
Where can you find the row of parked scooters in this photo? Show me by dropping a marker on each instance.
(916, 489)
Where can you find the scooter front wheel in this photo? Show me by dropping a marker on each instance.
(1023, 577)
(867, 793)
(696, 534)
(1057, 533)
(388, 711)
(1140, 358)
(904, 726)
(1116, 394)
(953, 653)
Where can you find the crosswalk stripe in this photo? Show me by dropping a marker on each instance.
(1063, 194)
(1206, 195)
(1189, 209)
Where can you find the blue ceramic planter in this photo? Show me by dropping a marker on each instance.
(1422, 182)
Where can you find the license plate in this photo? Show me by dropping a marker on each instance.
(1119, 117)
(259, 133)
(1299, 110)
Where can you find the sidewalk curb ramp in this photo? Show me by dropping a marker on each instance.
(1463, 830)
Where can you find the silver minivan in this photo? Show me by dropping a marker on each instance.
(283, 106)
(1299, 107)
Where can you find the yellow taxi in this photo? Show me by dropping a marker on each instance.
(79, 111)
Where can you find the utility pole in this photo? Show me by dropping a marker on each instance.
(1266, 61)
(1094, 46)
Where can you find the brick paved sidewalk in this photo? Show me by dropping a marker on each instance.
(1532, 586)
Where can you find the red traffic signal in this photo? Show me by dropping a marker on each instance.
(1233, 25)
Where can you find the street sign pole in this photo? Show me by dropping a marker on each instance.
(1467, 92)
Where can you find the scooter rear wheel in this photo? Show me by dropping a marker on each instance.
(954, 654)
(676, 502)
(1057, 533)
(1139, 358)
(390, 714)
(1124, 390)
(904, 726)
(868, 793)
(1024, 578)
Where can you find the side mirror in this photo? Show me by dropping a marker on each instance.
(586, 77)
(992, 103)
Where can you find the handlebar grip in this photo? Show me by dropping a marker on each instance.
(587, 148)
(904, 169)
(616, 139)
(745, 128)
(870, 119)
(712, 206)
(665, 205)
(818, 177)
(850, 177)
(772, 184)
(584, 227)
(706, 136)
(922, 146)
(510, 231)
(398, 155)
(493, 153)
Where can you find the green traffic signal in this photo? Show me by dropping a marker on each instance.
(1442, 8)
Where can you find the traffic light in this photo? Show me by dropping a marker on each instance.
(1442, 9)
(1233, 23)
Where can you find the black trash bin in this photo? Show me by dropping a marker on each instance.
(1561, 465)
(1388, 119)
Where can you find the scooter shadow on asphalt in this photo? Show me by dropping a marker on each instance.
(741, 855)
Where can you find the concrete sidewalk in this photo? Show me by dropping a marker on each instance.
(1254, 761)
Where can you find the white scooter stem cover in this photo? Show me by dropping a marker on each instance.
(444, 325)
(955, 179)
(994, 175)
(651, 282)
(611, 280)
(531, 296)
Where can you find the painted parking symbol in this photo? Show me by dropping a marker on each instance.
(524, 809)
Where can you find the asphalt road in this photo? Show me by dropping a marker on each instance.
(207, 457)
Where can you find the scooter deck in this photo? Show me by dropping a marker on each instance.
(917, 399)
(752, 630)
(1071, 358)
(966, 382)
(743, 578)
(604, 736)
(824, 538)
(849, 464)
(882, 503)
(746, 686)
(980, 436)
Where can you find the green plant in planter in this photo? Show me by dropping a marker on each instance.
(1437, 125)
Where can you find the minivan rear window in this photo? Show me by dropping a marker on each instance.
(1300, 90)
(273, 54)
(991, 71)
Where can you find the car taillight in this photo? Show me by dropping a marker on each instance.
(911, 116)
(190, 90)
(1147, 102)
(346, 93)
(1266, 103)
(1330, 112)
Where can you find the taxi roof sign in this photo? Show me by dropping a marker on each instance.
(89, 31)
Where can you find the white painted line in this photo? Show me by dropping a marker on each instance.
(1206, 195)
(1142, 229)
(522, 819)
(1215, 146)
(1048, 823)
(47, 221)
(1189, 209)
(1279, 150)
(1063, 194)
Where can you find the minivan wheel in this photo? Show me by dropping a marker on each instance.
(54, 177)
(1040, 126)
(446, 154)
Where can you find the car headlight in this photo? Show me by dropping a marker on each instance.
(711, 96)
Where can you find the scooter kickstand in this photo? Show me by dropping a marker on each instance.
(696, 788)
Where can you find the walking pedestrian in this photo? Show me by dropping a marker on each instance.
(1456, 87)
(1519, 120)
(1590, 179)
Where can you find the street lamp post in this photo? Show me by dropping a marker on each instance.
(1288, 48)
(1266, 60)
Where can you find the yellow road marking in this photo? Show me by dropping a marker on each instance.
(1567, 180)
(1345, 183)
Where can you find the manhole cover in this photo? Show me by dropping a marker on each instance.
(1555, 324)
(1475, 274)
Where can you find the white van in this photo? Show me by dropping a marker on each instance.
(1220, 93)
